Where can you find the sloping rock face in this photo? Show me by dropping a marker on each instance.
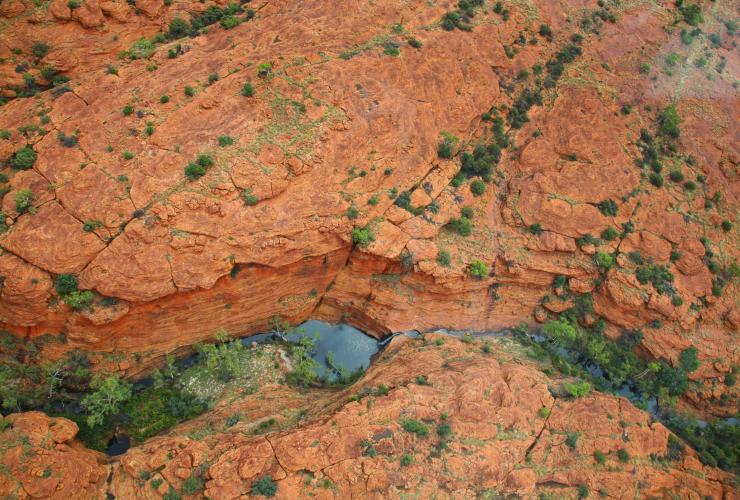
(340, 121)
(493, 427)
(40, 459)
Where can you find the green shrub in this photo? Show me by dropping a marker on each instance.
(609, 234)
(24, 158)
(583, 491)
(444, 430)
(373, 200)
(225, 140)
(536, 229)
(4, 134)
(604, 260)
(264, 486)
(127, 155)
(79, 299)
(479, 269)
(141, 49)
(39, 49)
(149, 129)
(189, 91)
(212, 78)
(66, 283)
(194, 171)
(572, 440)
(406, 460)
(443, 258)
(623, 455)
(692, 14)
(608, 207)
(74, 4)
(415, 43)
(578, 389)
(91, 225)
(688, 359)
(656, 180)
(248, 90)
(415, 427)
(477, 187)
(668, 121)
(192, 485)
(264, 69)
(178, 28)
(108, 396)
(659, 276)
(544, 412)
(559, 330)
(546, 31)
(362, 236)
(600, 457)
(676, 176)
(463, 225)
(444, 150)
(229, 22)
(352, 212)
(23, 200)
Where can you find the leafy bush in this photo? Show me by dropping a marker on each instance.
(189, 91)
(477, 187)
(108, 397)
(692, 14)
(192, 485)
(572, 440)
(443, 258)
(23, 200)
(264, 486)
(39, 49)
(141, 49)
(127, 155)
(609, 234)
(676, 176)
(79, 299)
(560, 331)
(546, 31)
(623, 455)
(406, 460)
(600, 457)
(463, 225)
(604, 260)
(194, 171)
(248, 90)
(178, 28)
(578, 389)
(415, 427)
(668, 121)
(229, 22)
(225, 140)
(24, 158)
(362, 236)
(608, 207)
(688, 359)
(479, 269)
(656, 180)
(659, 276)
(66, 283)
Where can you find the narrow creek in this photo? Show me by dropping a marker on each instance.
(340, 349)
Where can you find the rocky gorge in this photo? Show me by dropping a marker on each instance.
(173, 169)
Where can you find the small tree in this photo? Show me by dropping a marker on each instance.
(23, 159)
(478, 269)
(668, 121)
(23, 200)
(108, 397)
(264, 486)
(178, 28)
